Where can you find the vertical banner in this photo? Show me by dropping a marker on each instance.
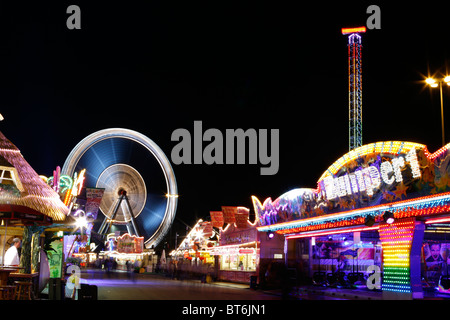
(93, 198)
(229, 214)
(217, 218)
(241, 217)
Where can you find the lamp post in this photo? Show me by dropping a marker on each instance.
(434, 84)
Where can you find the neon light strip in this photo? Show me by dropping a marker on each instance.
(387, 147)
(437, 220)
(353, 30)
(324, 233)
(9, 150)
(396, 241)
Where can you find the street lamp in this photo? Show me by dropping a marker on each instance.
(434, 84)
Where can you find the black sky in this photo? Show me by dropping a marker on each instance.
(159, 66)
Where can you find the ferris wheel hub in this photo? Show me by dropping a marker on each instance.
(122, 180)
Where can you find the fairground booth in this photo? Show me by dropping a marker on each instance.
(196, 245)
(28, 206)
(378, 220)
(242, 249)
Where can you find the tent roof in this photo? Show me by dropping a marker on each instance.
(32, 191)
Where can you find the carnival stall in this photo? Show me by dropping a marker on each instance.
(126, 252)
(378, 219)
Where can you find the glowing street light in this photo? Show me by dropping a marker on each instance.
(431, 82)
(434, 84)
(81, 221)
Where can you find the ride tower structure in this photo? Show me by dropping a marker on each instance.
(354, 46)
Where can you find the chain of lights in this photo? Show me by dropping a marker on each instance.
(423, 206)
(396, 240)
(383, 147)
(354, 86)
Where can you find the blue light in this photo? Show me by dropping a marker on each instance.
(113, 151)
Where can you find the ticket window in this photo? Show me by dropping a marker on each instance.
(229, 262)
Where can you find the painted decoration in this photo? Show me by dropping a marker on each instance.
(55, 258)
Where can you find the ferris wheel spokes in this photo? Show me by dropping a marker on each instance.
(130, 223)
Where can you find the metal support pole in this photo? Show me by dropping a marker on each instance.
(106, 225)
(133, 222)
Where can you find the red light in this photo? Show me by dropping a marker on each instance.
(353, 30)
(328, 232)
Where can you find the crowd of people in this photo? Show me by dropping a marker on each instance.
(185, 270)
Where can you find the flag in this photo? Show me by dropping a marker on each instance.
(241, 217)
(229, 214)
(217, 218)
(93, 199)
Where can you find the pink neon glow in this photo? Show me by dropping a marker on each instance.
(437, 220)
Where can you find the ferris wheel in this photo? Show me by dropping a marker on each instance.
(140, 194)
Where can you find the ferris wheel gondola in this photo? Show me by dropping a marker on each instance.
(140, 194)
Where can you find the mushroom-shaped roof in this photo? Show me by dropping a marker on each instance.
(21, 185)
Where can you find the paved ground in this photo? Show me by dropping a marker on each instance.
(126, 286)
(122, 286)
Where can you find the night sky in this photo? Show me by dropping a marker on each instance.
(160, 66)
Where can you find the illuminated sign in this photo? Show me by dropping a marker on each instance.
(353, 30)
(361, 183)
(130, 244)
(370, 178)
(247, 251)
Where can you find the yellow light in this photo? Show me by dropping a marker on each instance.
(171, 195)
(78, 183)
(447, 79)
